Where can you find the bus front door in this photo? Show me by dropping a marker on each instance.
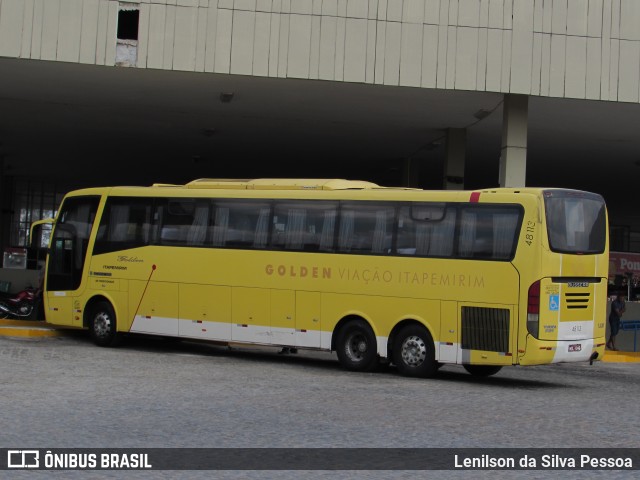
(67, 259)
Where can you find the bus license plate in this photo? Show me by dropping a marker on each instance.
(575, 347)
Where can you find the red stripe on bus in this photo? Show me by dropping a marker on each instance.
(475, 197)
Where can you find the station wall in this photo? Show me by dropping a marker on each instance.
(558, 48)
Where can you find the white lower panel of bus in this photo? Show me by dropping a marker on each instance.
(251, 333)
(155, 325)
(447, 352)
(382, 346)
(203, 329)
(567, 350)
(228, 332)
(573, 351)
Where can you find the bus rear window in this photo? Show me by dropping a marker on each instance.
(576, 221)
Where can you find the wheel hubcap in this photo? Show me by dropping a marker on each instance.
(414, 351)
(356, 347)
(102, 324)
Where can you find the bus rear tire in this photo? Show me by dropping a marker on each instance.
(102, 325)
(357, 347)
(482, 370)
(414, 353)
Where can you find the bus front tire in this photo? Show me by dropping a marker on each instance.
(102, 325)
(357, 347)
(414, 352)
(482, 370)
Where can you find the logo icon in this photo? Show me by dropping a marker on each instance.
(23, 459)
(554, 303)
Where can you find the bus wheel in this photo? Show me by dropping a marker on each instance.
(482, 370)
(414, 352)
(102, 325)
(357, 347)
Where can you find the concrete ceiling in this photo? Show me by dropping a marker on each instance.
(87, 125)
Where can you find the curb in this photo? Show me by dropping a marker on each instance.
(27, 328)
(621, 357)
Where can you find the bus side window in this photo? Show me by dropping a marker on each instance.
(261, 230)
(197, 231)
(126, 223)
(304, 225)
(488, 232)
(241, 224)
(406, 243)
(289, 224)
(426, 230)
(366, 227)
(177, 218)
(505, 234)
(220, 226)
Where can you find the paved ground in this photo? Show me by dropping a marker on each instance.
(65, 392)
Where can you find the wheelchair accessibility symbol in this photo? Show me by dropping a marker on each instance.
(554, 302)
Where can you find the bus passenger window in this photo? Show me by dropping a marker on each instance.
(304, 225)
(366, 228)
(220, 226)
(184, 222)
(426, 230)
(126, 223)
(241, 224)
(488, 232)
(197, 231)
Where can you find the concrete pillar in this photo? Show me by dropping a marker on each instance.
(513, 155)
(454, 159)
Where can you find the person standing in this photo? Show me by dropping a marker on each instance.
(617, 309)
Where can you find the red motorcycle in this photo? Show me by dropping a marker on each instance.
(23, 304)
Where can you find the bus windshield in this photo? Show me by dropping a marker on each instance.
(576, 221)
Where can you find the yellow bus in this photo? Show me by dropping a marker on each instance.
(416, 278)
